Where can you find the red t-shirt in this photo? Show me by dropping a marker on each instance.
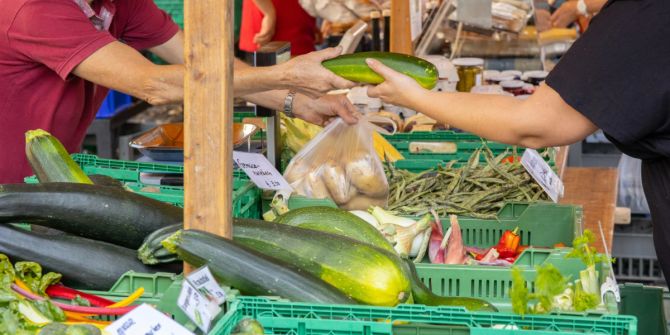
(41, 42)
(294, 25)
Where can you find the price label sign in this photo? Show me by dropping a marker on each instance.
(543, 174)
(196, 306)
(203, 280)
(145, 320)
(261, 171)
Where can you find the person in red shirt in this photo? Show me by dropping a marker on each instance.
(277, 20)
(58, 58)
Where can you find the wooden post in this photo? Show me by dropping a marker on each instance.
(401, 38)
(208, 117)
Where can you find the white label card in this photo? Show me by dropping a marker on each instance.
(196, 306)
(261, 171)
(543, 174)
(145, 320)
(203, 280)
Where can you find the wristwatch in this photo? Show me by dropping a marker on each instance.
(581, 8)
(288, 104)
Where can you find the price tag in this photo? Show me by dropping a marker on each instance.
(203, 280)
(543, 174)
(145, 320)
(261, 171)
(200, 310)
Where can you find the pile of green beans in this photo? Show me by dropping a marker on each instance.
(475, 189)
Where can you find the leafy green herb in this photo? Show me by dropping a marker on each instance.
(583, 300)
(583, 249)
(549, 283)
(519, 293)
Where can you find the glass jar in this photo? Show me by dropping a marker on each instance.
(513, 86)
(496, 80)
(535, 77)
(470, 72)
(490, 74)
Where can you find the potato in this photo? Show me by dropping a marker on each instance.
(335, 178)
(296, 170)
(367, 178)
(363, 202)
(315, 187)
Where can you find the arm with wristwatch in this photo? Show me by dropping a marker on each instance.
(571, 10)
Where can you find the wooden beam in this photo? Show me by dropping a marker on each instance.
(401, 38)
(208, 119)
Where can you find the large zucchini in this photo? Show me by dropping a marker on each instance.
(50, 161)
(108, 214)
(365, 273)
(250, 271)
(353, 67)
(84, 263)
(335, 221)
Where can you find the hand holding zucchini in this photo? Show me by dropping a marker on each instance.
(353, 67)
(108, 214)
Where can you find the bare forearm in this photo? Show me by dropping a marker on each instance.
(540, 121)
(250, 80)
(269, 99)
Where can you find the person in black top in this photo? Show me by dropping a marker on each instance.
(616, 77)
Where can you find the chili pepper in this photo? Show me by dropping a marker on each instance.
(509, 243)
(63, 292)
(559, 245)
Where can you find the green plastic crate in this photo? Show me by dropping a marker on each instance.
(174, 8)
(466, 144)
(493, 283)
(647, 304)
(279, 317)
(246, 196)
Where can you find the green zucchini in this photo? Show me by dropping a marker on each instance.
(152, 250)
(367, 274)
(353, 67)
(84, 263)
(249, 271)
(50, 161)
(108, 214)
(335, 221)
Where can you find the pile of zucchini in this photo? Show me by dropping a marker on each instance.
(317, 255)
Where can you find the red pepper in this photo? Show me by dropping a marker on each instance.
(60, 291)
(511, 159)
(559, 245)
(509, 243)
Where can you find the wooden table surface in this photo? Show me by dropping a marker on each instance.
(595, 189)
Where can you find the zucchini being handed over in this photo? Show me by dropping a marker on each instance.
(102, 213)
(84, 263)
(250, 271)
(336, 221)
(50, 161)
(353, 67)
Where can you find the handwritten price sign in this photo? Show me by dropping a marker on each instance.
(261, 171)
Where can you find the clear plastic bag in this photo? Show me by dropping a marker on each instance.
(631, 193)
(341, 164)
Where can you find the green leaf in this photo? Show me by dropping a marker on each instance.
(6, 271)
(582, 300)
(519, 293)
(548, 284)
(47, 280)
(50, 310)
(79, 301)
(30, 273)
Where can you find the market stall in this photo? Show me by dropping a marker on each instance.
(399, 223)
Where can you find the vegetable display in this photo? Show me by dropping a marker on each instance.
(250, 271)
(353, 67)
(475, 189)
(107, 214)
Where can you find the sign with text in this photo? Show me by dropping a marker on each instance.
(261, 171)
(145, 320)
(543, 174)
(203, 280)
(200, 310)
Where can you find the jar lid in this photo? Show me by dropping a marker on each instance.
(468, 62)
(490, 74)
(536, 74)
(512, 73)
(512, 84)
(502, 77)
